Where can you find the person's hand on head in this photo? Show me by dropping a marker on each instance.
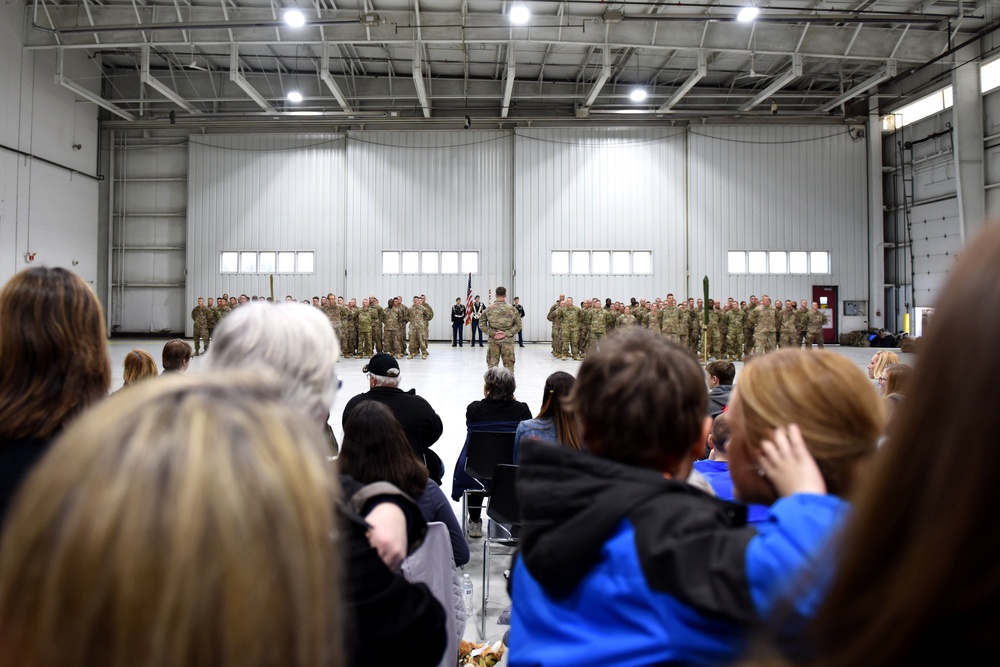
(787, 463)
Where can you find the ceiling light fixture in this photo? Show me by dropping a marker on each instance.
(519, 13)
(747, 14)
(295, 96)
(295, 18)
(638, 95)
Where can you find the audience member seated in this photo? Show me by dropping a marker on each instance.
(614, 545)
(554, 422)
(916, 582)
(296, 346)
(498, 411)
(422, 425)
(176, 356)
(137, 365)
(878, 363)
(186, 522)
(720, 386)
(53, 364)
(375, 449)
(715, 469)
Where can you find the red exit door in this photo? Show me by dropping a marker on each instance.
(826, 297)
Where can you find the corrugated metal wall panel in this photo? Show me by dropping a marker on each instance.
(596, 190)
(265, 192)
(433, 191)
(778, 188)
(991, 127)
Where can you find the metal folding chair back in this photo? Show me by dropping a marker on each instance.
(487, 450)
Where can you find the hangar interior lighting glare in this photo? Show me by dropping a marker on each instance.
(295, 18)
(519, 13)
(747, 14)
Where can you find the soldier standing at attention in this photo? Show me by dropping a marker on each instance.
(569, 320)
(520, 311)
(420, 315)
(391, 317)
(626, 319)
(200, 315)
(672, 320)
(803, 321)
(366, 320)
(501, 322)
(764, 320)
(556, 330)
(458, 323)
(402, 316)
(478, 308)
(814, 326)
(377, 339)
(213, 319)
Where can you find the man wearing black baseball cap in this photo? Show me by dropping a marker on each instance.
(420, 422)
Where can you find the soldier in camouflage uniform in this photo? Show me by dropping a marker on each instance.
(626, 319)
(814, 326)
(584, 328)
(598, 325)
(556, 330)
(200, 315)
(213, 319)
(696, 315)
(501, 322)
(712, 332)
(366, 320)
(403, 317)
(653, 321)
(736, 322)
(377, 337)
(672, 320)
(764, 321)
(569, 321)
(420, 315)
(748, 326)
(803, 321)
(391, 316)
(789, 327)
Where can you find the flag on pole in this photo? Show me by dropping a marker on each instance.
(468, 303)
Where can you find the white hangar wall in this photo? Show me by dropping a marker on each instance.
(48, 158)
(778, 189)
(685, 196)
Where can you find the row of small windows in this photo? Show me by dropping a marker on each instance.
(268, 261)
(938, 101)
(597, 262)
(430, 261)
(778, 261)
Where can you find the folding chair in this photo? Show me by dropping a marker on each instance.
(503, 529)
(486, 450)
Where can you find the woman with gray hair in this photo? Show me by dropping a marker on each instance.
(296, 344)
(498, 411)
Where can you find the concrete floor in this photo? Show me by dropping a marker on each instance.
(450, 379)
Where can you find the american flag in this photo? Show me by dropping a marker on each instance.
(468, 303)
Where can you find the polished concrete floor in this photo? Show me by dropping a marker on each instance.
(450, 378)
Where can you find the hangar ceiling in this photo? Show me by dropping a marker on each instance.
(454, 63)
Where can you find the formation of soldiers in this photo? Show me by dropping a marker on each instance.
(363, 330)
(734, 330)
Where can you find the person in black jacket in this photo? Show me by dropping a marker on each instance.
(520, 310)
(457, 323)
(420, 422)
(498, 408)
(720, 384)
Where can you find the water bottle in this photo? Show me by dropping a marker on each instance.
(467, 592)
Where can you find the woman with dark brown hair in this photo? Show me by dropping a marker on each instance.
(555, 421)
(917, 579)
(375, 449)
(53, 363)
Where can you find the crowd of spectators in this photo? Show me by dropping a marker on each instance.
(798, 514)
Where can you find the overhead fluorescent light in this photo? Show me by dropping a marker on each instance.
(295, 96)
(638, 95)
(295, 18)
(747, 14)
(519, 13)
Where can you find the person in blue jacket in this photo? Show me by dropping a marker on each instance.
(623, 563)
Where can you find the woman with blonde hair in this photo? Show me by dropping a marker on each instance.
(824, 394)
(53, 364)
(187, 524)
(878, 363)
(137, 365)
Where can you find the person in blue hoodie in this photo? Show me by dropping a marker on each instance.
(622, 562)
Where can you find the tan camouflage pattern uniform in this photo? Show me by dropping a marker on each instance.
(501, 316)
(200, 315)
(763, 319)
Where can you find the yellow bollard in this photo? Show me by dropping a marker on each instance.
(906, 323)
